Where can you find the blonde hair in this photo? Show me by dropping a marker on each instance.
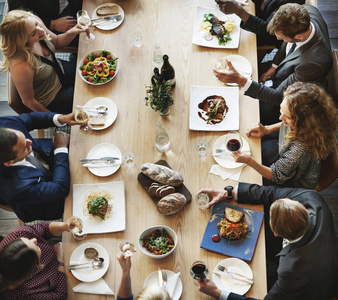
(314, 118)
(13, 30)
(288, 219)
(153, 292)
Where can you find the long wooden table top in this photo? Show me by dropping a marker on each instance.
(170, 24)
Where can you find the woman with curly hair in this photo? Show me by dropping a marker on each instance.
(306, 136)
(44, 83)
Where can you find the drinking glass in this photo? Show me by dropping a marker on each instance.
(129, 159)
(202, 147)
(221, 66)
(202, 200)
(199, 270)
(127, 249)
(82, 117)
(137, 39)
(75, 226)
(83, 21)
(233, 141)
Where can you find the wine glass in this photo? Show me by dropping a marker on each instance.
(127, 249)
(75, 226)
(82, 117)
(83, 21)
(221, 66)
(199, 270)
(233, 141)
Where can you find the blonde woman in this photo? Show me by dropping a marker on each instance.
(306, 136)
(43, 83)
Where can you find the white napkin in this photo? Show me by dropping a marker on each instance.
(95, 287)
(243, 2)
(172, 282)
(233, 174)
(101, 165)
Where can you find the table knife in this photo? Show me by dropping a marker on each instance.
(117, 18)
(233, 276)
(160, 277)
(110, 159)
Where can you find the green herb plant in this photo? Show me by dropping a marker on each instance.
(159, 96)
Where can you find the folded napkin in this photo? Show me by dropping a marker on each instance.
(101, 165)
(95, 287)
(172, 282)
(233, 174)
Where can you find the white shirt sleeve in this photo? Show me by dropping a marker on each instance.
(247, 85)
(224, 295)
(56, 122)
(61, 150)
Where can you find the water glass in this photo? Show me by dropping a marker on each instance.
(202, 200)
(129, 159)
(137, 39)
(127, 249)
(75, 226)
(202, 147)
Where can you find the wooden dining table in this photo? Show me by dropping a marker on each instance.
(170, 24)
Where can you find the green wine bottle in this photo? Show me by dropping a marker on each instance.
(156, 76)
(168, 72)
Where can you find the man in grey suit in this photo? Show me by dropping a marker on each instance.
(309, 250)
(304, 32)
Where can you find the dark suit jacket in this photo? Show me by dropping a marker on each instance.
(309, 63)
(306, 268)
(26, 189)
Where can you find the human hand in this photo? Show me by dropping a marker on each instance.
(63, 24)
(241, 157)
(230, 75)
(209, 288)
(125, 263)
(228, 6)
(217, 196)
(59, 251)
(256, 130)
(68, 119)
(61, 139)
(267, 75)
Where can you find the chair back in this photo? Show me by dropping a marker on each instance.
(333, 78)
(328, 172)
(14, 99)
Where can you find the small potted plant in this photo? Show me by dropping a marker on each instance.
(159, 97)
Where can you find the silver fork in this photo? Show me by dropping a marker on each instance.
(224, 269)
(165, 278)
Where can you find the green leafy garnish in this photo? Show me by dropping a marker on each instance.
(208, 17)
(96, 205)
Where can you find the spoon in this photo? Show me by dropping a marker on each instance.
(102, 109)
(97, 263)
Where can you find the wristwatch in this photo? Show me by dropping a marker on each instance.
(229, 189)
(60, 264)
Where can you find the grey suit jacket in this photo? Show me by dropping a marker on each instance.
(307, 268)
(309, 63)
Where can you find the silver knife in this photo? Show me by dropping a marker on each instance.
(117, 17)
(102, 159)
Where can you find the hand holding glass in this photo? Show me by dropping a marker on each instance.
(199, 271)
(83, 21)
(82, 117)
(75, 226)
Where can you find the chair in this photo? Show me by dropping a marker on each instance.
(328, 172)
(333, 78)
(9, 208)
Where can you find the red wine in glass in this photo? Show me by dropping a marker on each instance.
(199, 270)
(233, 145)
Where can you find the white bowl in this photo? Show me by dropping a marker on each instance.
(97, 52)
(147, 231)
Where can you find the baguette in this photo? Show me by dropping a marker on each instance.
(107, 10)
(162, 174)
(171, 204)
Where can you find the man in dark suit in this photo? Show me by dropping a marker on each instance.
(308, 260)
(299, 26)
(30, 188)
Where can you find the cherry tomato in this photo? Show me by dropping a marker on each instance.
(111, 73)
(102, 78)
(86, 61)
(90, 79)
(97, 55)
(108, 56)
(84, 72)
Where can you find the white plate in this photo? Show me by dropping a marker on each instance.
(89, 274)
(241, 64)
(233, 285)
(111, 115)
(198, 39)
(153, 279)
(231, 96)
(103, 150)
(98, 52)
(116, 215)
(110, 24)
(228, 161)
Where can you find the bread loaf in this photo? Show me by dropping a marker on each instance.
(171, 204)
(160, 190)
(162, 174)
(107, 10)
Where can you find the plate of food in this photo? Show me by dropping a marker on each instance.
(89, 274)
(236, 228)
(227, 161)
(108, 10)
(98, 67)
(153, 279)
(232, 285)
(240, 63)
(101, 206)
(102, 121)
(215, 29)
(214, 108)
(104, 150)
